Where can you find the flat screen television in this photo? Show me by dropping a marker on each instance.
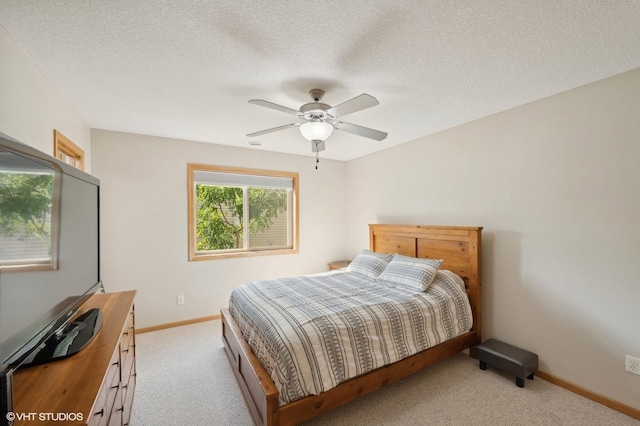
(49, 252)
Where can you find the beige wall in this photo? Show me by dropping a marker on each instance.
(556, 186)
(144, 223)
(31, 107)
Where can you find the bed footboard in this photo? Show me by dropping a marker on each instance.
(261, 395)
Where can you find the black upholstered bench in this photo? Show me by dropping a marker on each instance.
(507, 358)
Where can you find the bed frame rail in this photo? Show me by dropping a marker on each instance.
(258, 390)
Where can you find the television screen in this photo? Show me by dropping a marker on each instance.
(49, 246)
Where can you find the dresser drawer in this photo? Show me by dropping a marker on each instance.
(99, 413)
(108, 392)
(127, 397)
(127, 336)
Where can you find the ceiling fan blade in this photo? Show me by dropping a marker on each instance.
(271, 105)
(359, 130)
(352, 105)
(273, 129)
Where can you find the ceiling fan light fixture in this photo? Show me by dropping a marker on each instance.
(316, 130)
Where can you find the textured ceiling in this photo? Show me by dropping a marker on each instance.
(186, 69)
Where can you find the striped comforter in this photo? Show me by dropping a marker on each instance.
(313, 332)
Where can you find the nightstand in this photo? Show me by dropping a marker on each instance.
(338, 264)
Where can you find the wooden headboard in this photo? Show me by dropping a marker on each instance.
(459, 246)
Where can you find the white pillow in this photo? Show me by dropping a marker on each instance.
(369, 263)
(411, 271)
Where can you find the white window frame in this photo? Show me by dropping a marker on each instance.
(195, 174)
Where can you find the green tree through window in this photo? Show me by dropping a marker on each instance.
(25, 202)
(241, 212)
(28, 217)
(220, 214)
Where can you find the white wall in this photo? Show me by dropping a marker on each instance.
(31, 107)
(144, 223)
(556, 186)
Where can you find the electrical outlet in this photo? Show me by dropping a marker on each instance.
(181, 300)
(633, 365)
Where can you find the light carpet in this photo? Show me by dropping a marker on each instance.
(184, 378)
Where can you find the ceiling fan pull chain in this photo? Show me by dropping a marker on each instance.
(317, 159)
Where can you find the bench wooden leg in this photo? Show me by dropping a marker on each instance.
(483, 365)
(530, 376)
(519, 382)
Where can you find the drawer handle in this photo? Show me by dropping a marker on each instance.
(126, 333)
(116, 363)
(115, 387)
(99, 413)
(126, 350)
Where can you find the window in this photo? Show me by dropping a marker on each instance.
(67, 151)
(241, 212)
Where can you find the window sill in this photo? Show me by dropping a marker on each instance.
(227, 255)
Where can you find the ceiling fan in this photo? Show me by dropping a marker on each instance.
(320, 119)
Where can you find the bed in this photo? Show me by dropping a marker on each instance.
(459, 247)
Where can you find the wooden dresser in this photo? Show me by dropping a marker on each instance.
(93, 387)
